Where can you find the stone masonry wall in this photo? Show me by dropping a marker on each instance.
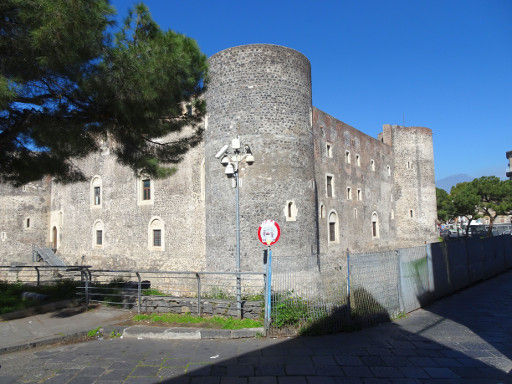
(17, 206)
(261, 93)
(375, 185)
(178, 202)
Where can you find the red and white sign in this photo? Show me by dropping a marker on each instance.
(269, 232)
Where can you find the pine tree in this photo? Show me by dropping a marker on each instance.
(67, 82)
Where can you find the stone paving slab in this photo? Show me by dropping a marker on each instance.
(472, 346)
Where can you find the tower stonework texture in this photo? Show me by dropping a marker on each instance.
(261, 93)
(328, 185)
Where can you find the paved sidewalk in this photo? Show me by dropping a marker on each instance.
(465, 338)
(54, 325)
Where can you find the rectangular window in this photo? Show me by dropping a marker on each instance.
(358, 160)
(328, 150)
(157, 237)
(329, 186)
(349, 193)
(359, 195)
(332, 231)
(99, 237)
(347, 157)
(97, 198)
(28, 223)
(146, 189)
(374, 228)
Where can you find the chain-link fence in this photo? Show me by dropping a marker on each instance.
(367, 288)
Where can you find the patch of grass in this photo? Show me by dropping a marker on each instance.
(152, 292)
(399, 315)
(288, 310)
(187, 318)
(115, 334)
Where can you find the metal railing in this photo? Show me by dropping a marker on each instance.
(196, 292)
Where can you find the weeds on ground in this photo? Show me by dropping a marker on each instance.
(96, 332)
(187, 318)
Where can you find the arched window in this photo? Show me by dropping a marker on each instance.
(98, 234)
(322, 211)
(96, 192)
(375, 225)
(333, 227)
(55, 239)
(389, 170)
(156, 235)
(358, 160)
(372, 164)
(349, 193)
(347, 157)
(145, 190)
(411, 213)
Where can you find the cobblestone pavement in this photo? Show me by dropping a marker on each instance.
(464, 338)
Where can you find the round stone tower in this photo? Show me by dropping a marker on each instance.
(261, 93)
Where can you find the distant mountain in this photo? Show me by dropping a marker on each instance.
(448, 182)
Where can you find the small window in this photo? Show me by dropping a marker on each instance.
(358, 160)
(408, 165)
(97, 234)
(355, 213)
(359, 194)
(157, 237)
(322, 211)
(27, 222)
(347, 157)
(372, 164)
(329, 186)
(99, 237)
(389, 170)
(146, 189)
(349, 193)
(328, 149)
(375, 225)
(97, 195)
(392, 214)
(411, 213)
(333, 227)
(3, 236)
(290, 211)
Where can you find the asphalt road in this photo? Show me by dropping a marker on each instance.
(464, 338)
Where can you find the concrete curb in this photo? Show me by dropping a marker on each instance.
(145, 332)
(70, 338)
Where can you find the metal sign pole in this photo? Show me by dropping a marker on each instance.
(269, 286)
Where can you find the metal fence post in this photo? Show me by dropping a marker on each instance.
(348, 284)
(87, 278)
(198, 294)
(38, 276)
(139, 292)
(268, 302)
(265, 288)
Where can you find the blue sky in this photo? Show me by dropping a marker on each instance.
(446, 65)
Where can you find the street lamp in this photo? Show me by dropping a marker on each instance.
(232, 161)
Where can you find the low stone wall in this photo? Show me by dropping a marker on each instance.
(209, 307)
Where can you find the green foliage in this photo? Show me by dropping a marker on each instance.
(115, 334)
(289, 310)
(152, 292)
(187, 318)
(465, 202)
(67, 83)
(96, 332)
(494, 197)
(444, 205)
(10, 297)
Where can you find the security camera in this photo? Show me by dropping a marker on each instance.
(222, 151)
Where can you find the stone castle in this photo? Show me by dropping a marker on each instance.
(328, 185)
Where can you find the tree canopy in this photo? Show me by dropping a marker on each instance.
(67, 82)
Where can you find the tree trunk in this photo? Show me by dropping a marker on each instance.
(467, 227)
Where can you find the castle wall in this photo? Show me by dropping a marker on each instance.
(17, 205)
(375, 183)
(414, 184)
(263, 94)
(178, 202)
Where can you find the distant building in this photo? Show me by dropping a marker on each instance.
(509, 170)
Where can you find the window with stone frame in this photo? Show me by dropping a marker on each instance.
(332, 227)
(329, 186)
(146, 189)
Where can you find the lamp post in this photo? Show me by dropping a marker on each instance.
(231, 159)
